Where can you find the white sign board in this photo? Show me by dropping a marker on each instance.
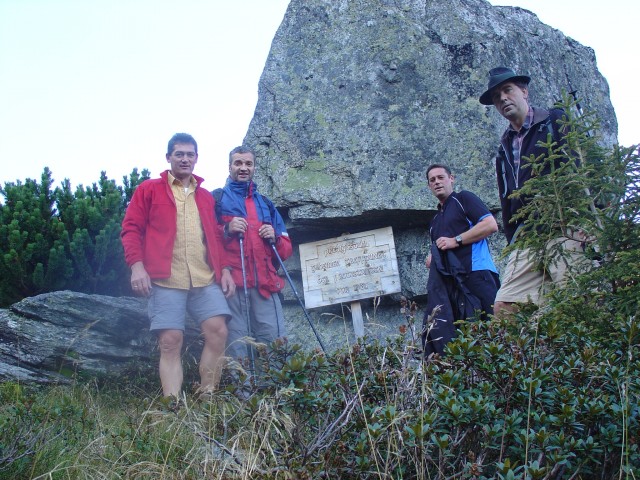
(349, 268)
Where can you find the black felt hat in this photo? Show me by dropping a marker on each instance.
(498, 76)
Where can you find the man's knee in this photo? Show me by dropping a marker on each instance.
(170, 341)
(215, 329)
(504, 308)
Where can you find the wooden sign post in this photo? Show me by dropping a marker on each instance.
(348, 269)
(356, 317)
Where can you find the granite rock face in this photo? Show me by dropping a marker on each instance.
(358, 97)
(55, 336)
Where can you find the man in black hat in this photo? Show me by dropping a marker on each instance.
(522, 280)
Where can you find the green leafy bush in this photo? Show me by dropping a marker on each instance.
(538, 396)
(55, 240)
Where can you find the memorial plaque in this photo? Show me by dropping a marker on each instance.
(349, 268)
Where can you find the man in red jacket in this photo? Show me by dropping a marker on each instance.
(248, 215)
(172, 244)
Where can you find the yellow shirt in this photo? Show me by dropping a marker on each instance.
(189, 267)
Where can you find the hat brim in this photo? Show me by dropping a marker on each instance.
(485, 98)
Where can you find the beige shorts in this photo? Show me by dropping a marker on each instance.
(524, 279)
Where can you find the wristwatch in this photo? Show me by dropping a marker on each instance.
(459, 240)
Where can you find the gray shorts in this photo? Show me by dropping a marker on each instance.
(168, 307)
(266, 317)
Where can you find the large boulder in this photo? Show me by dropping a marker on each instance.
(54, 336)
(358, 97)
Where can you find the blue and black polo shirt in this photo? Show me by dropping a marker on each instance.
(461, 211)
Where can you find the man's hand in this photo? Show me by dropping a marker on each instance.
(446, 243)
(237, 225)
(427, 261)
(227, 284)
(140, 280)
(267, 232)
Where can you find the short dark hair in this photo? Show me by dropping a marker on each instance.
(241, 149)
(181, 138)
(437, 165)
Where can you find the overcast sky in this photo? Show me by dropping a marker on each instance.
(92, 85)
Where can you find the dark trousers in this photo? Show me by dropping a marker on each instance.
(484, 284)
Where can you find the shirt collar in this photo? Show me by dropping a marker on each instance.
(172, 180)
(528, 121)
(441, 206)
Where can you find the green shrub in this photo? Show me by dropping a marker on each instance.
(538, 396)
(55, 240)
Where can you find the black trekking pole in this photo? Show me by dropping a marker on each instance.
(574, 94)
(246, 304)
(592, 206)
(306, 314)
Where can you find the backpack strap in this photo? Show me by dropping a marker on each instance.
(464, 212)
(551, 124)
(217, 196)
(471, 224)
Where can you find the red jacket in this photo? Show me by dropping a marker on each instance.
(261, 264)
(149, 227)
